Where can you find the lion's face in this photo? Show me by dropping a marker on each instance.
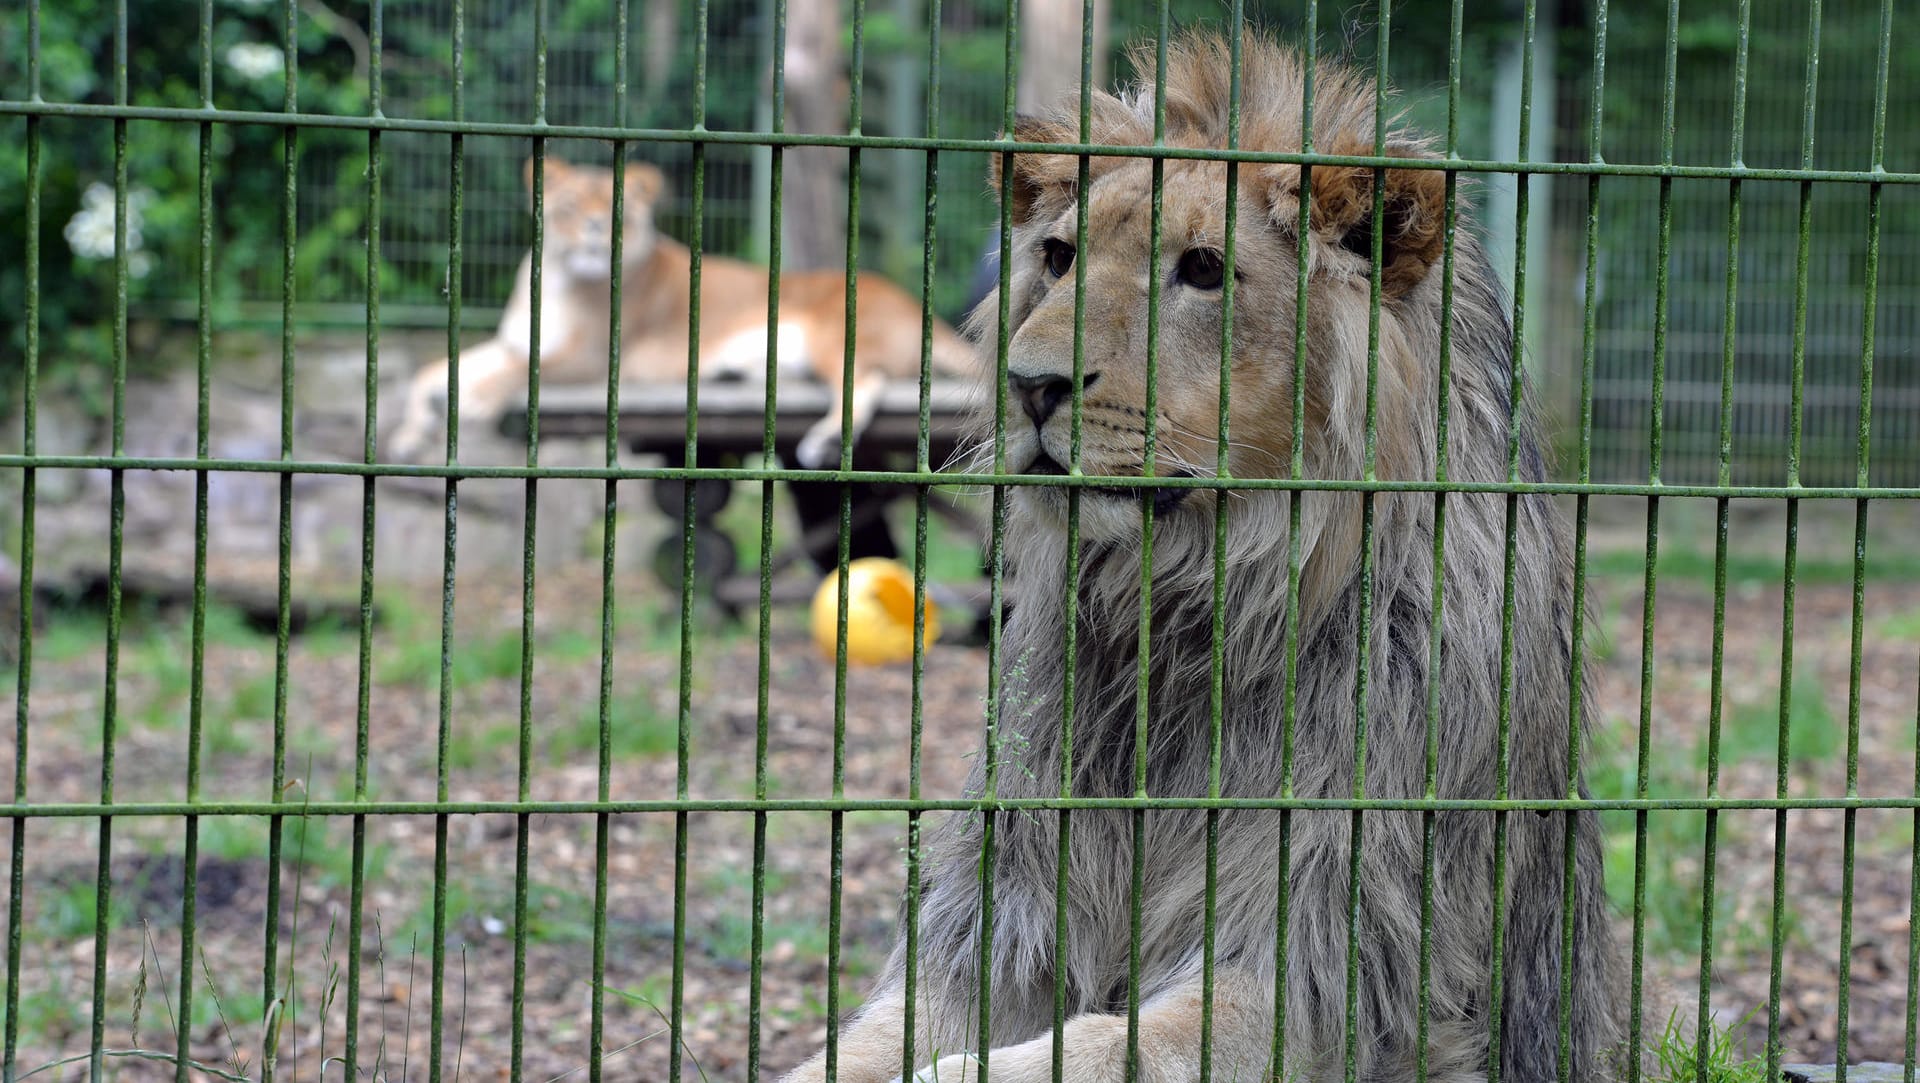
(579, 216)
(1192, 275)
(1118, 283)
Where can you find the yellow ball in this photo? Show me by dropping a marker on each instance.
(879, 612)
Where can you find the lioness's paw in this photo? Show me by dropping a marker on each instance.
(819, 450)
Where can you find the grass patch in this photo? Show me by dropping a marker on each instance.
(1749, 569)
(322, 847)
(635, 728)
(557, 915)
(71, 634)
(413, 656)
(467, 749)
(1903, 626)
(53, 1013)
(1676, 1056)
(1676, 838)
(1752, 730)
(69, 908)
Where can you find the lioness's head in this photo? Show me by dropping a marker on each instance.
(579, 215)
(1191, 274)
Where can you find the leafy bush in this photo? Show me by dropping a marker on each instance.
(77, 166)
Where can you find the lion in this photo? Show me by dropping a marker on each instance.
(656, 299)
(1261, 755)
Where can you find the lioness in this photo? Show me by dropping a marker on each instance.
(576, 300)
(1278, 736)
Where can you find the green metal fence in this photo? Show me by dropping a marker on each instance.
(937, 143)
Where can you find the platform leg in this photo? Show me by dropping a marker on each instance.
(818, 506)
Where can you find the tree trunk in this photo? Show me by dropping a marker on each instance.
(1050, 52)
(814, 198)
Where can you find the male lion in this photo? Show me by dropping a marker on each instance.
(1312, 976)
(576, 300)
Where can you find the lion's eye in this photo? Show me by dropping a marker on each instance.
(1202, 268)
(1059, 256)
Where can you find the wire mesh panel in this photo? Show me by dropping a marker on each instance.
(1291, 756)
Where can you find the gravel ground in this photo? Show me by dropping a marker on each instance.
(396, 1003)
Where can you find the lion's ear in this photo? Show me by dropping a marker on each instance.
(1036, 177)
(1044, 183)
(1413, 211)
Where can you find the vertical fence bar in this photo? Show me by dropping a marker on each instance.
(1913, 920)
(603, 752)
(688, 536)
(356, 911)
(1443, 399)
(276, 825)
(443, 735)
(436, 1016)
(1717, 679)
(1070, 578)
(910, 909)
(196, 678)
(769, 458)
(523, 822)
(1516, 391)
(1577, 663)
(29, 445)
(1144, 663)
(1290, 685)
(1862, 449)
(109, 722)
(996, 547)
(836, 858)
(1656, 427)
(1794, 448)
(1363, 589)
(1223, 467)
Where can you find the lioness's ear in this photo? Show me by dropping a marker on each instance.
(1413, 209)
(645, 182)
(557, 170)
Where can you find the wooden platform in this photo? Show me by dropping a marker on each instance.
(732, 418)
(731, 430)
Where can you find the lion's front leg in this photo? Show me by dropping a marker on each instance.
(1094, 1046)
(871, 1047)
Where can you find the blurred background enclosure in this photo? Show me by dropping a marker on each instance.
(1712, 126)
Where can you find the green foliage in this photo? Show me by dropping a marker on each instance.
(78, 156)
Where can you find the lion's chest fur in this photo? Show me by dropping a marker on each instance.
(1283, 727)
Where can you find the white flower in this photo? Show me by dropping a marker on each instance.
(90, 230)
(255, 60)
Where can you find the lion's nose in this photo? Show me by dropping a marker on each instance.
(1041, 395)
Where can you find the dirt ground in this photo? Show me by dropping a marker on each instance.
(397, 1008)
